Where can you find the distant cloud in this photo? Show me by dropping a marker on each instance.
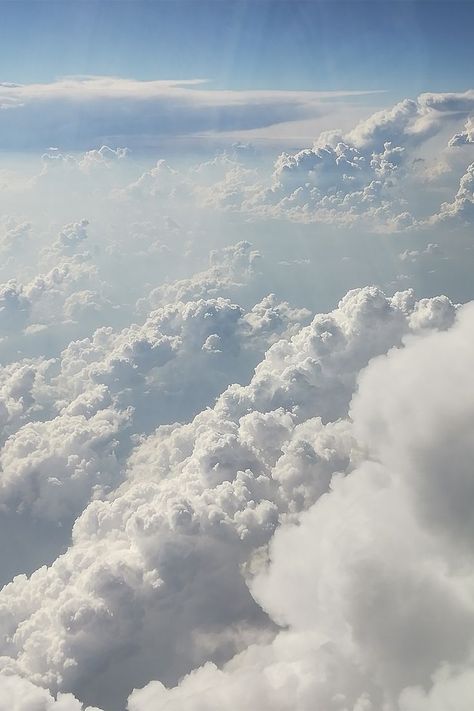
(79, 112)
(465, 137)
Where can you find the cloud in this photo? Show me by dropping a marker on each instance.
(431, 251)
(50, 468)
(346, 177)
(354, 176)
(14, 236)
(372, 584)
(72, 235)
(68, 422)
(367, 175)
(449, 102)
(44, 308)
(77, 112)
(229, 269)
(461, 209)
(465, 137)
(17, 694)
(211, 492)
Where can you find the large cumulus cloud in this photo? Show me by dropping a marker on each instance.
(120, 606)
(69, 421)
(374, 582)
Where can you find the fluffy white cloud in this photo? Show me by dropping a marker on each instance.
(374, 583)
(346, 177)
(465, 137)
(14, 235)
(314, 372)
(17, 694)
(461, 209)
(368, 175)
(229, 269)
(50, 468)
(42, 315)
(72, 235)
(68, 422)
(211, 493)
(431, 251)
(24, 394)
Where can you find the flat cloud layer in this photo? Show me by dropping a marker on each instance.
(79, 111)
(231, 475)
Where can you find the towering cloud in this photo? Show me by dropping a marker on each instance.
(157, 578)
(373, 584)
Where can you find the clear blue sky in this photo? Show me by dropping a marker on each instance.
(400, 46)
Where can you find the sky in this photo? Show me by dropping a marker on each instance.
(399, 47)
(236, 346)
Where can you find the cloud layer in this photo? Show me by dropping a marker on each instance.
(231, 474)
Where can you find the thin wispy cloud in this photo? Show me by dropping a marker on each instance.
(79, 112)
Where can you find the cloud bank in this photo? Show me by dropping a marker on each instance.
(75, 112)
(232, 475)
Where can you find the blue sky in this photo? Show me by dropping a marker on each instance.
(403, 47)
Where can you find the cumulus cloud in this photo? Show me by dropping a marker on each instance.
(72, 235)
(373, 583)
(51, 467)
(432, 250)
(465, 137)
(211, 492)
(17, 694)
(349, 178)
(69, 421)
(229, 269)
(92, 160)
(343, 176)
(53, 304)
(14, 235)
(461, 209)
(369, 175)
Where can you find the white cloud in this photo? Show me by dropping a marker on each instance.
(17, 694)
(72, 235)
(374, 583)
(14, 235)
(367, 175)
(228, 270)
(461, 209)
(211, 492)
(51, 468)
(117, 107)
(465, 137)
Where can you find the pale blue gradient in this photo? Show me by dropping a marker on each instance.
(404, 47)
